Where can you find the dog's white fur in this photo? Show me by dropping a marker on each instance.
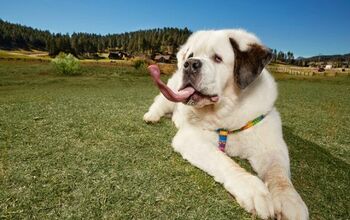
(272, 192)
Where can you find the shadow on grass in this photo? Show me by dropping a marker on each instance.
(321, 179)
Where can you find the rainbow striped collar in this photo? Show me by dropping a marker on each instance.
(224, 132)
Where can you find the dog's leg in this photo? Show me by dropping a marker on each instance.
(273, 168)
(161, 105)
(200, 150)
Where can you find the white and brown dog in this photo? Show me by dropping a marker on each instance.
(222, 83)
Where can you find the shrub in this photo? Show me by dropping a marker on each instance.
(66, 64)
(140, 64)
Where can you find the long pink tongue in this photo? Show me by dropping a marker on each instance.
(179, 96)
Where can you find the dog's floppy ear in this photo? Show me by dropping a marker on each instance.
(249, 64)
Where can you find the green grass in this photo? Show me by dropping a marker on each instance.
(76, 147)
(23, 55)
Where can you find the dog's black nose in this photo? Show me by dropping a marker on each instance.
(192, 65)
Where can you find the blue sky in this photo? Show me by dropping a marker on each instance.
(304, 27)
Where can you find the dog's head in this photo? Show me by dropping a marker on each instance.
(210, 60)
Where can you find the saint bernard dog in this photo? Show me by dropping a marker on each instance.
(222, 95)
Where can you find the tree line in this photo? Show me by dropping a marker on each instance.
(283, 57)
(158, 40)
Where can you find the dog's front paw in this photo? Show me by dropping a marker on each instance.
(151, 117)
(289, 205)
(252, 194)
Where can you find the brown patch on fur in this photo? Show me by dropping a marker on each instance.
(249, 64)
(277, 179)
(184, 55)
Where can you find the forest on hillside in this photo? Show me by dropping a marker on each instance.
(147, 42)
(159, 40)
(143, 42)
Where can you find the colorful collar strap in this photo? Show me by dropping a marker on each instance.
(224, 132)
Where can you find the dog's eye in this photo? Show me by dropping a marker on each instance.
(191, 55)
(217, 58)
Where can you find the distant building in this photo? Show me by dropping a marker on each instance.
(328, 67)
(162, 58)
(320, 69)
(118, 55)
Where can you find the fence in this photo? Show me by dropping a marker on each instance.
(297, 71)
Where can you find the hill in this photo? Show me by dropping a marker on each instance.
(142, 42)
(158, 40)
(328, 58)
(337, 60)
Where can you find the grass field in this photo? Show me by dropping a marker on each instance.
(76, 147)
